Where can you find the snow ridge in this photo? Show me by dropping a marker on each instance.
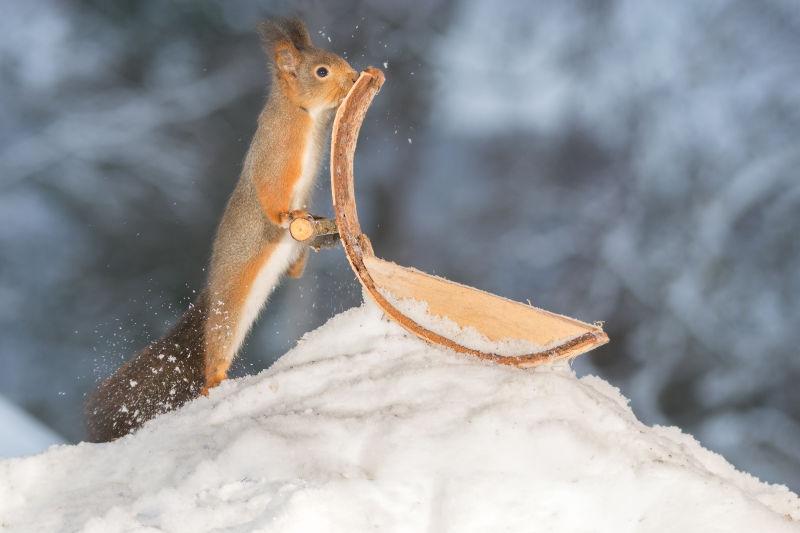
(362, 427)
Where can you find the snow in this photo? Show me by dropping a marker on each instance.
(362, 427)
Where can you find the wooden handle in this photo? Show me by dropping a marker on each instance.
(494, 317)
(307, 228)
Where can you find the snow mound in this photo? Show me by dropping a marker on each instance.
(363, 428)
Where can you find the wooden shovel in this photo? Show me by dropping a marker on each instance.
(497, 319)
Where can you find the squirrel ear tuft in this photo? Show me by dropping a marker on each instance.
(270, 32)
(298, 33)
(279, 43)
(275, 30)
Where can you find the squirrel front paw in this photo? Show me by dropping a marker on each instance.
(285, 218)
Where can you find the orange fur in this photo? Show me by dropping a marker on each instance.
(275, 195)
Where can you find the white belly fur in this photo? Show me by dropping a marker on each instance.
(285, 252)
(309, 166)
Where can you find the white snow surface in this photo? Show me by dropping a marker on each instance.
(364, 428)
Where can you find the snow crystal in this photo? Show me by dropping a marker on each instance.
(363, 427)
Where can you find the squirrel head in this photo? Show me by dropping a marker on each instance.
(313, 78)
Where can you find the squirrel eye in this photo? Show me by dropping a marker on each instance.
(322, 72)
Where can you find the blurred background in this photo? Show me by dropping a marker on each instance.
(635, 162)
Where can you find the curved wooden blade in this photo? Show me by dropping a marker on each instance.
(495, 318)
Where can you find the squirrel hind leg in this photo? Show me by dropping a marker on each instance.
(235, 304)
(219, 349)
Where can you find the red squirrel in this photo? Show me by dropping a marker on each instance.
(252, 249)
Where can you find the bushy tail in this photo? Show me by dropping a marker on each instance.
(163, 376)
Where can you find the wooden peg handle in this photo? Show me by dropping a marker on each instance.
(305, 229)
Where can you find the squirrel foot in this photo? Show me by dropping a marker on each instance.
(212, 381)
(286, 217)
